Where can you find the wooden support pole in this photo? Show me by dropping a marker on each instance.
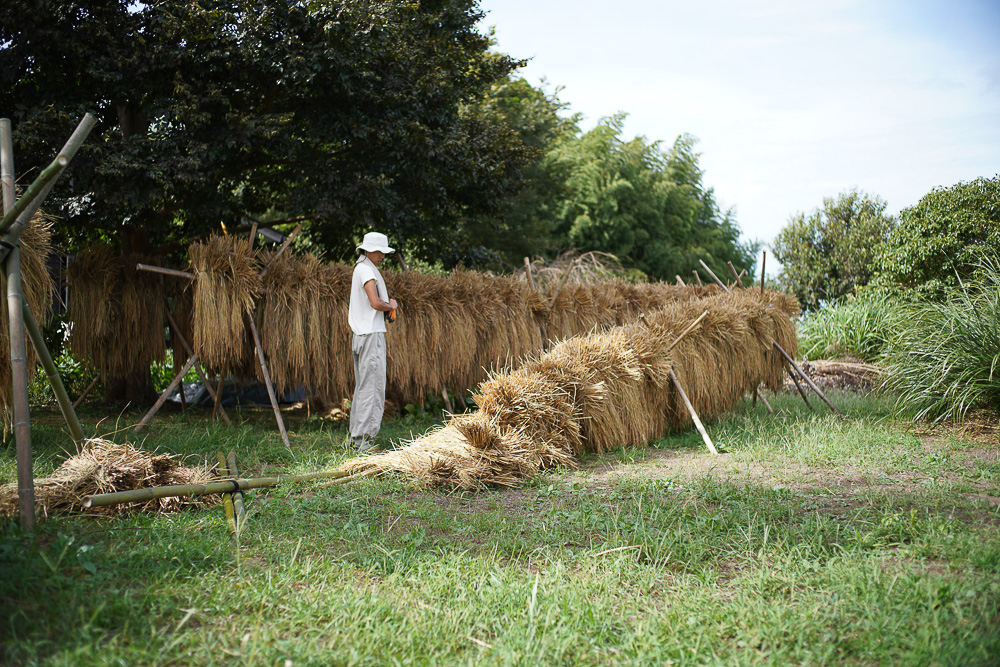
(447, 401)
(679, 281)
(227, 496)
(401, 260)
(798, 386)
(86, 392)
(241, 514)
(166, 392)
(253, 233)
(697, 277)
(714, 277)
(694, 415)
(811, 384)
(686, 331)
(736, 275)
(173, 273)
(758, 392)
(52, 373)
(281, 249)
(527, 269)
(267, 380)
(201, 372)
(763, 261)
(72, 145)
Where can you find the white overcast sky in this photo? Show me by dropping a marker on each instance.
(792, 101)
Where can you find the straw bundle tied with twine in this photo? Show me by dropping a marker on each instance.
(592, 393)
(115, 311)
(36, 285)
(102, 466)
(227, 285)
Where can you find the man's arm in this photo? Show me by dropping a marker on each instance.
(375, 301)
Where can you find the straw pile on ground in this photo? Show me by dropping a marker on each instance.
(102, 466)
(609, 389)
(226, 287)
(37, 288)
(116, 312)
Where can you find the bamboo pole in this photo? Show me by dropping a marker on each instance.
(679, 281)
(401, 260)
(62, 396)
(217, 402)
(763, 261)
(714, 277)
(18, 353)
(210, 488)
(267, 381)
(447, 401)
(798, 386)
(736, 275)
(86, 392)
(253, 233)
(166, 392)
(201, 372)
(227, 497)
(527, 269)
(758, 392)
(685, 332)
(281, 249)
(174, 273)
(694, 415)
(697, 277)
(68, 151)
(811, 384)
(241, 514)
(35, 190)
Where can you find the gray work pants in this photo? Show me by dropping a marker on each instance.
(369, 386)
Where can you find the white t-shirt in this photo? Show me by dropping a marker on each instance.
(360, 315)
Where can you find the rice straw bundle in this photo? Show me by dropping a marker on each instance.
(604, 390)
(116, 312)
(36, 286)
(102, 466)
(181, 293)
(227, 284)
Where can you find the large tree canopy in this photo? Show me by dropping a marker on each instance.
(944, 238)
(829, 253)
(647, 206)
(351, 113)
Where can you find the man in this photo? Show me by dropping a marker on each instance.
(366, 315)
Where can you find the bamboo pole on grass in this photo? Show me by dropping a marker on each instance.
(811, 384)
(760, 394)
(210, 488)
(798, 386)
(694, 415)
(234, 471)
(227, 497)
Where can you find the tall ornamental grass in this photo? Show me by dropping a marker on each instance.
(944, 359)
(856, 327)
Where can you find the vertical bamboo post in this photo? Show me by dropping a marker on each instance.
(763, 261)
(267, 381)
(809, 382)
(234, 472)
(694, 415)
(527, 269)
(227, 497)
(18, 361)
(62, 396)
(217, 403)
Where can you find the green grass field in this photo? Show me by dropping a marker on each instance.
(811, 540)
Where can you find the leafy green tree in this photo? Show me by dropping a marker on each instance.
(348, 113)
(829, 253)
(648, 207)
(943, 239)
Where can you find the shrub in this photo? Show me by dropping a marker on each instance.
(855, 327)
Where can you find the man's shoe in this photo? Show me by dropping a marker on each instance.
(367, 447)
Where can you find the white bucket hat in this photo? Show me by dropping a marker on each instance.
(376, 242)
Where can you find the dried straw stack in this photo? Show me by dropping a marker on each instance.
(116, 312)
(102, 466)
(608, 389)
(36, 285)
(227, 285)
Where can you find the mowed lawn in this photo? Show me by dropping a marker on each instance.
(811, 540)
